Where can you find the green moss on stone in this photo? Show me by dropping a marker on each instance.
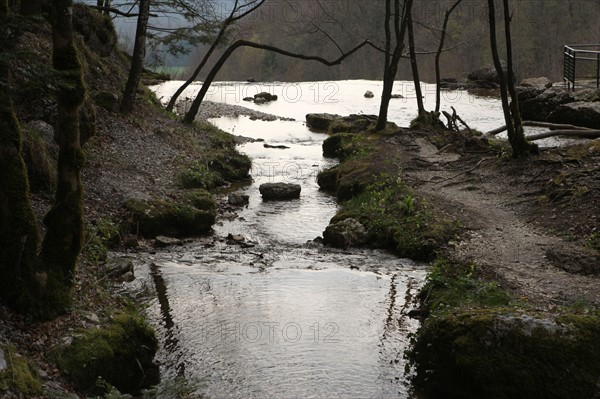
(20, 378)
(161, 217)
(230, 164)
(499, 354)
(197, 174)
(121, 354)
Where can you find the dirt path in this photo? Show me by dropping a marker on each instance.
(498, 235)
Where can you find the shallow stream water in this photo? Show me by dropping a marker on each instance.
(282, 316)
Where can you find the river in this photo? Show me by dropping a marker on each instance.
(282, 316)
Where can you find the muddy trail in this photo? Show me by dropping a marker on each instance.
(528, 224)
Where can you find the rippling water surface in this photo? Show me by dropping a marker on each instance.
(284, 317)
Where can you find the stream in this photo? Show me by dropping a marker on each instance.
(281, 316)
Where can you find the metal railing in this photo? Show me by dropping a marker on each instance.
(582, 63)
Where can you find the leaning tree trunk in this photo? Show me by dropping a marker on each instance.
(190, 115)
(137, 61)
(18, 232)
(64, 222)
(414, 66)
(438, 54)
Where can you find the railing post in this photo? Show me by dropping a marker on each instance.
(598, 71)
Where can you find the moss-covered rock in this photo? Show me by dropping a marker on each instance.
(333, 145)
(197, 175)
(162, 217)
(499, 354)
(201, 199)
(230, 164)
(321, 121)
(19, 378)
(121, 354)
(327, 179)
(353, 123)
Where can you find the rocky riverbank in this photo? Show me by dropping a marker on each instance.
(512, 294)
(146, 174)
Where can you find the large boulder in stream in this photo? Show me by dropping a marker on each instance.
(320, 121)
(578, 113)
(279, 191)
(346, 233)
(486, 77)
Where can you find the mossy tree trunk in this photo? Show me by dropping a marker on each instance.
(137, 61)
(64, 222)
(18, 232)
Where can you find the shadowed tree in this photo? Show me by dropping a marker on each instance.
(137, 60)
(516, 136)
(18, 232)
(392, 58)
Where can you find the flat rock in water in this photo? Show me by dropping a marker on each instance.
(321, 121)
(238, 199)
(346, 233)
(163, 241)
(279, 191)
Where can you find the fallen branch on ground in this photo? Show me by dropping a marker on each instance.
(551, 126)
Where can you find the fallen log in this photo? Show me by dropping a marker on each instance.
(586, 134)
(551, 126)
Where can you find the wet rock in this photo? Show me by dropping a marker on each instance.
(249, 99)
(346, 233)
(487, 77)
(578, 113)
(131, 242)
(335, 146)
(127, 277)
(279, 191)
(264, 97)
(538, 83)
(369, 94)
(396, 96)
(354, 123)
(164, 241)
(236, 238)
(327, 179)
(118, 267)
(280, 147)
(320, 121)
(238, 199)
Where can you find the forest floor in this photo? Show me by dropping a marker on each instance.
(530, 224)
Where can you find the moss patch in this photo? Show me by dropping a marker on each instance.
(396, 220)
(121, 354)
(495, 354)
(165, 217)
(196, 174)
(20, 377)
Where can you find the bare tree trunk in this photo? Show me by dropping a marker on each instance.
(391, 62)
(231, 19)
(438, 79)
(190, 115)
(414, 66)
(498, 65)
(520, 146)
(18, 231)
(516, 136)
(64, 222)
(137, 61)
